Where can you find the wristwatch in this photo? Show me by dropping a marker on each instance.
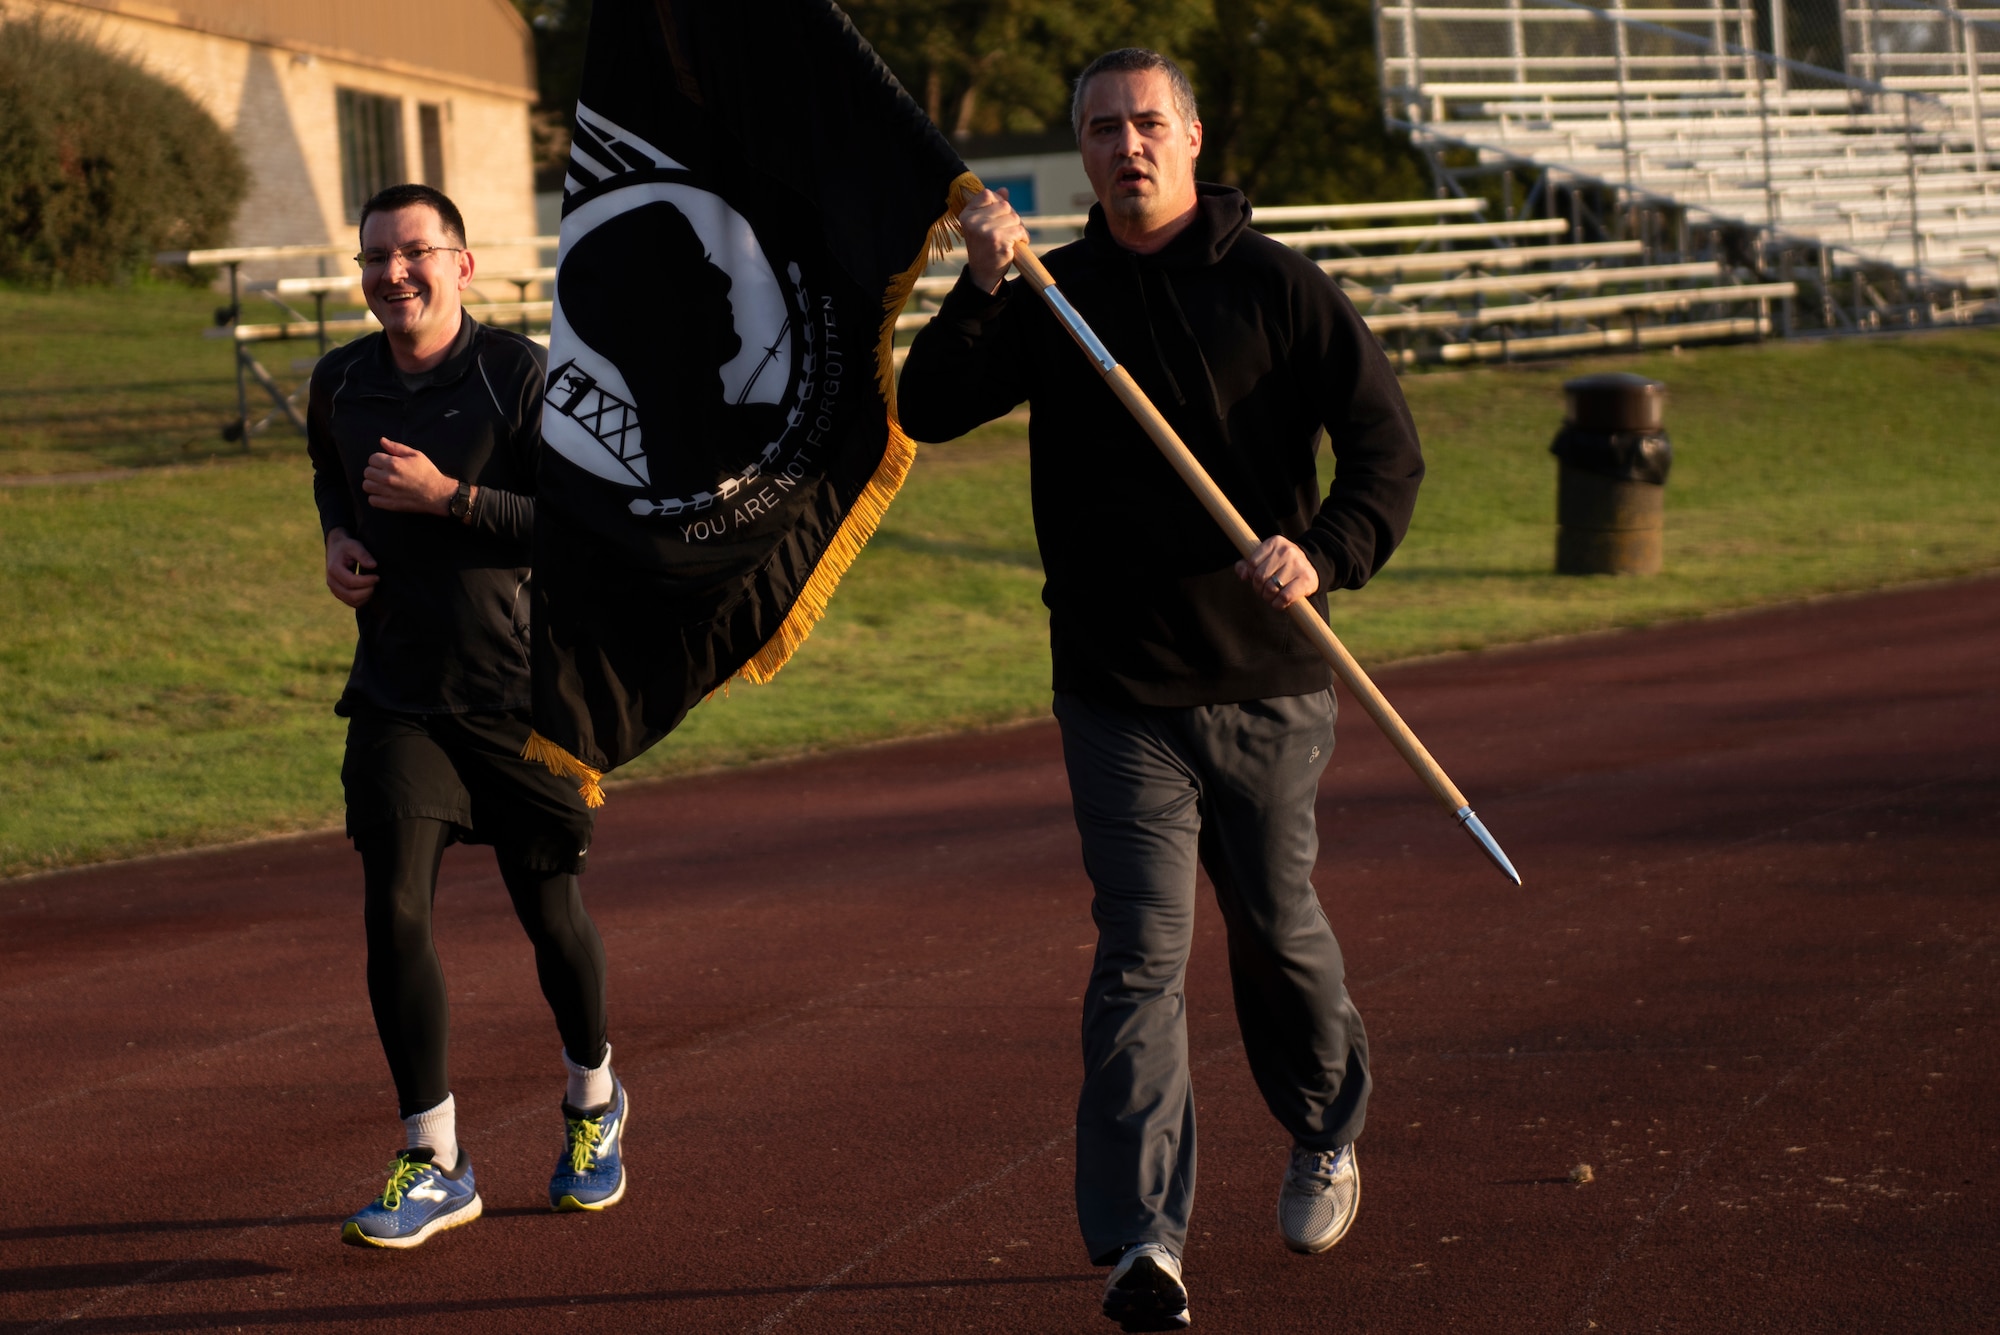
(460, 506)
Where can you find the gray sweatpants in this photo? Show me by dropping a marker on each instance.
(1155, 789)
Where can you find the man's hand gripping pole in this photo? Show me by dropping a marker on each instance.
(1245, 538)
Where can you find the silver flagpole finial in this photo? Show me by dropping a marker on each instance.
(1477, 830)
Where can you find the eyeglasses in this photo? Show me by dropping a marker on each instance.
(412, 255)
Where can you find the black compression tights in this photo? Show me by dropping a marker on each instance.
(399, 862)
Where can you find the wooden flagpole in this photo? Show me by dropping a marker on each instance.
(1247, 542)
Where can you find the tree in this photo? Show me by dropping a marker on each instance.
(560, 28)
(1291, 111)
(101, 163)
(1005, 66)
(1287, 88)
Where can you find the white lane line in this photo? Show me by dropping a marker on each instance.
(184, 1059)
(47, 990)
(1547, 908)
(99, 1299)
(1946, 972)
(526, 1110)
(936, 1212)
(1223, 1049)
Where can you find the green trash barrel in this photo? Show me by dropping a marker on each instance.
(1614, 457)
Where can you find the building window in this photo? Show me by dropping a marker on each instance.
(430, 129)
(371, 146)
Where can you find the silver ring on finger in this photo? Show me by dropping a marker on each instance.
(1277, 582)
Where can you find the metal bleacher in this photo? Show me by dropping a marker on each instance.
(1438, 281)
(1868, 130)
(294, 325)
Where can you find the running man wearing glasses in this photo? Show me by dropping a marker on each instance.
(424, 441)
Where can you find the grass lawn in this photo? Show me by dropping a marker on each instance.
(171, 656)
(1799, 468)
(111, 379)
(124, 378)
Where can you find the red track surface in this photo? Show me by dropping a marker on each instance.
(1751, 980)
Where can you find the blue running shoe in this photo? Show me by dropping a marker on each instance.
(591, 1173)
(421, 1199)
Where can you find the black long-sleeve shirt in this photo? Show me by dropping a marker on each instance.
(446, 630)
(1251, 353)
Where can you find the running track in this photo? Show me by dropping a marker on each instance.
(1752, 981)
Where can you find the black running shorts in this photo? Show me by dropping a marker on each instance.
(465, 770)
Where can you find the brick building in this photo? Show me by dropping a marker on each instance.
(332, 99)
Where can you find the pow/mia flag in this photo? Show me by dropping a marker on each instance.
(750, 197)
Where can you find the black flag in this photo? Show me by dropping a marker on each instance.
(751, 196)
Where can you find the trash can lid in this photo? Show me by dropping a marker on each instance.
(1614, 401)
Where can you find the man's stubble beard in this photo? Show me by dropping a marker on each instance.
(1146, 211)
(1137, 209)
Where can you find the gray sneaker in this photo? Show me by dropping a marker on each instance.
(1145, 1290)
(1319, 1199)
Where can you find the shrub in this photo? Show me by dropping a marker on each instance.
(101, 163)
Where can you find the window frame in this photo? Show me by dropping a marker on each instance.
(430, 143)
(370, 127)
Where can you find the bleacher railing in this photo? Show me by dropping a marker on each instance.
(1436, 280)
(324, 331)
(1776, 115)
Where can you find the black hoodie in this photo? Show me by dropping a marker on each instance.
(1250, 352)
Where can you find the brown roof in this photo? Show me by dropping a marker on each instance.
(491, 50)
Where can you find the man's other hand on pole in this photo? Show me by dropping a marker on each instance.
(1280, 572)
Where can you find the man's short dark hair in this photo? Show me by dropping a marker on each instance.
(1133, 59)
(392, 199)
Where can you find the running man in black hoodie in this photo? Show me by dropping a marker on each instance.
(1195, 722)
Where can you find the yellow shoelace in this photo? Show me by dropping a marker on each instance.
(584, 1133)
(403, 1174)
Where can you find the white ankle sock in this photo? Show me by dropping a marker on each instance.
(589, 1086)
(436, 1129)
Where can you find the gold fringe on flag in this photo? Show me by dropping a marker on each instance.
(590, 782)
(861, 521)
(873, 503)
